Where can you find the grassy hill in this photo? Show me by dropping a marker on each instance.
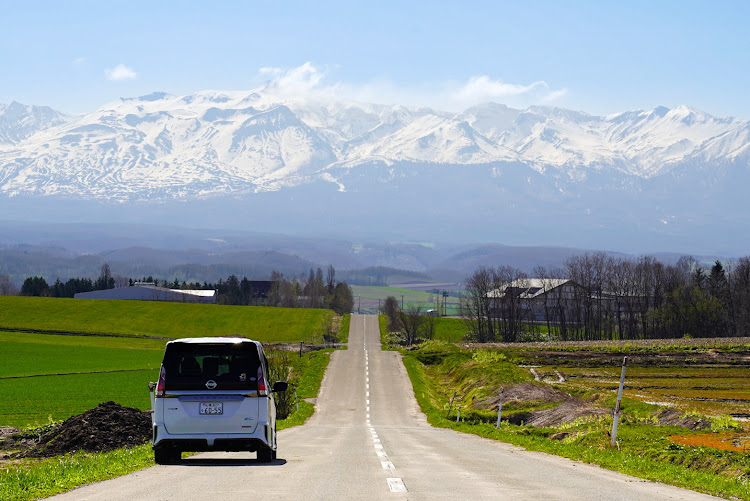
(48, 375)
(162, 319)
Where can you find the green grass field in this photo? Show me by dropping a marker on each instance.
(163, 319)
(451, 330)
(38, 400)
(47, 377)
(40, 354)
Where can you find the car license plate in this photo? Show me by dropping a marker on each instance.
(211, 408)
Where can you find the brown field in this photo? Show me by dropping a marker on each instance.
(702, 376)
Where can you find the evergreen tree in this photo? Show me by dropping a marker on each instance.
(342, 300)
(35, 286)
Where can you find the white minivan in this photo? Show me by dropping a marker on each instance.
(213, 395)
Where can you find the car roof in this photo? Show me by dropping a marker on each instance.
(214, 340)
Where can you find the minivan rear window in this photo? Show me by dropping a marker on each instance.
(232, 366)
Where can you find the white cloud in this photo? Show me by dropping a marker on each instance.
(302, 80)
(79, 61)
(120, 72)
(482, 88)
(555, 95)
(310, 82)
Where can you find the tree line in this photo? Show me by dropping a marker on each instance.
(607, 297)
(312, 292)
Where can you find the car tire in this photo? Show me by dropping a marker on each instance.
(167, 456)
(265, 455)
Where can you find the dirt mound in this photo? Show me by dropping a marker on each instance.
(566, 412)
(528, 392)
(672, 417)
(6, 431)
(569, 410)
(106, 427)
(525, 392)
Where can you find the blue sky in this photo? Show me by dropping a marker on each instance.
(599, 57)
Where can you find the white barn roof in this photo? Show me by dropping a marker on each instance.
(149, 292)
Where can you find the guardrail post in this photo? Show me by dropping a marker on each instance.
(296, 399)
(500, 407)
(458, 416)
(616, 416)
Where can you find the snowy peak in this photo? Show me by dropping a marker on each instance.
(18, 121)
(214, 142)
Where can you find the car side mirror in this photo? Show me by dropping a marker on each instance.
(280, 386)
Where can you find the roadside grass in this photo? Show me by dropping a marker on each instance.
(384, 334)
(163, 319)
(344, 328)
(307, 376)
(645, 450)
(62, 473)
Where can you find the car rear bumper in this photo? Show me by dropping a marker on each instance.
(211, 442)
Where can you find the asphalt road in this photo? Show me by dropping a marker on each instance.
(369, 441)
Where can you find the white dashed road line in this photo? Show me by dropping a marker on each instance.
(395, 484)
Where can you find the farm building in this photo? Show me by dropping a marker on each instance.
(150, 292)
(544, 299)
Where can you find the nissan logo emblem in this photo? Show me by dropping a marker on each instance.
(210, 384)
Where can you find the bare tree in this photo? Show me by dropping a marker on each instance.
(476, 303)
(413, 322)
(7, 287)
(390, 309)
(511, 309)
(740, 279)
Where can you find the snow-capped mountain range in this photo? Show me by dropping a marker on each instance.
(668, 178)
(211, 143)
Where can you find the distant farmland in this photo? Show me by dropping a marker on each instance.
(162, 319)
(368, 298)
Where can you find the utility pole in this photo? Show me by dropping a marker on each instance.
(616, 416)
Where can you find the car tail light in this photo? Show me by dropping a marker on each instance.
(262, 388)
(159, 393)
